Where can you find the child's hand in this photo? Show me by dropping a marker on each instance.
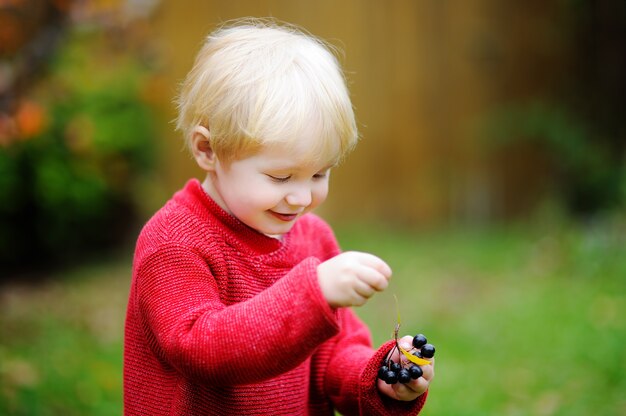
(351, 278)
(416, 387)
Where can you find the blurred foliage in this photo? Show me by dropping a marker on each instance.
(576, 120)
(586, 175)
(83, 138)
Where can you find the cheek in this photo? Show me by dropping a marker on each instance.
(259, 195)
(242, 195)
(319, 194)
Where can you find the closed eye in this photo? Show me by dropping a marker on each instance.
(321, 175)
(279, 179)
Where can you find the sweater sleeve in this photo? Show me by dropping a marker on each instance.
(190, 329)
(352, 372)
(372, 402)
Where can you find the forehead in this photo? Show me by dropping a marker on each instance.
(280, 156)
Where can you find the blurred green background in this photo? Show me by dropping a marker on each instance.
(491, 176)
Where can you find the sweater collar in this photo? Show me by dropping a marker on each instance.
(235, 231)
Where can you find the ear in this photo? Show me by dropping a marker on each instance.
(201, 148)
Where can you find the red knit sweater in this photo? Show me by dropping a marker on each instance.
(223, 320)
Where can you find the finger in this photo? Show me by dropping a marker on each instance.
(402, 390)
(374, 262)
(410, 391)
(357, 300)
(373, 278)
(429, 370)
(417, 386)
(406, 342)
(396, 391)
(363, 289)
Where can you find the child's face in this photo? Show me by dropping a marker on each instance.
(271, 189)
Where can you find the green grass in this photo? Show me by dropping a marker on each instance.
(526, 320)
(61, 343)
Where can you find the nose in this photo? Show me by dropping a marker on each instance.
(300, 196)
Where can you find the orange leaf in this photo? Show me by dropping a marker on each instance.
(30, 119)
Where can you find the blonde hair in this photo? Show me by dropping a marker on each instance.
(256, 83)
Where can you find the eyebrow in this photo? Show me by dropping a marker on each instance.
(291, 168)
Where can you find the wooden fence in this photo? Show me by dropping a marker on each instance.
(425, 75)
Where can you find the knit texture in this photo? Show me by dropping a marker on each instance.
(223, 320)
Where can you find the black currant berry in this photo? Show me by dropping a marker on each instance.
(391, 377)
(415, 371)
(404, 376)
(382, 371)
(419, 341)
(417, 353)
(395, 366)
(428, 351)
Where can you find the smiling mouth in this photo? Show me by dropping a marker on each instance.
(284, 217)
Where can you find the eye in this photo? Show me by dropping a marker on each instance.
(320, 175)
(279, 179)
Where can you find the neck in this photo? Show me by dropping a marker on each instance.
(209, 188)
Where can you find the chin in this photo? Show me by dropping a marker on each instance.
(275, 232)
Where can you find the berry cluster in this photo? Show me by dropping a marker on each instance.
(392, 372)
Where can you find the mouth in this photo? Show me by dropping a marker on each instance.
(284, 217)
